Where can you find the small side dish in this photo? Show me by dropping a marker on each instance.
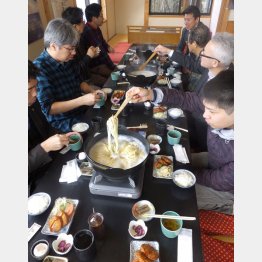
(40, 249)
(160, 112)
(144, 251)
(63, 244)
(143, 207)
(163, 166)
(60, 217)
(137, 229)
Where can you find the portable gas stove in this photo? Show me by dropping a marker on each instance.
(129, 188)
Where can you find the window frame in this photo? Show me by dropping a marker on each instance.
(183, 4)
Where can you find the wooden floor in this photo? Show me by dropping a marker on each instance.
(116, 39)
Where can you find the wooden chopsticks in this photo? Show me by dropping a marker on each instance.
(142, 67)
(169, 217)
(126, 101)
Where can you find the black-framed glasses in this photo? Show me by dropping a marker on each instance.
(206, 56)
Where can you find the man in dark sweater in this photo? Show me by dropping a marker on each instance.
(215, 182)
(42, 140)
(217, 56)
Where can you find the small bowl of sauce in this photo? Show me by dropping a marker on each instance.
(40, 249)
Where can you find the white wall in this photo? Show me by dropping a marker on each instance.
(172, 21)
(131, 12)
(111, 22)
(128, 12)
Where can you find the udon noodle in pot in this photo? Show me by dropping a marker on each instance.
(118, 151)
(131, 152)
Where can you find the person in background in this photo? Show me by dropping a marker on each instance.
(192, 20)
(74, 15)
(101, 65)
(60, 88)
(215, 172)
(198, 37)
(217, 56)
(42, 140)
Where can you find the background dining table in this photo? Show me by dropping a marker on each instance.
(162, 193)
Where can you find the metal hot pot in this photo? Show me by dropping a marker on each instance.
(116, 174)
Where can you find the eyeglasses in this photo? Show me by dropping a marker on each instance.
(70, 49)
(206, 56)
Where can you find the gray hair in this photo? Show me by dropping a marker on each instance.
(61, 32)
(224, 44)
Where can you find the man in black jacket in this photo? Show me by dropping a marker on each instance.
(42, 140)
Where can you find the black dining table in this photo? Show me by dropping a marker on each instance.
(162, 193)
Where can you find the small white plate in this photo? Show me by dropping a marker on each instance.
(38, 203)
(140, 203)
(120, 67)
(136, 244)
(107, 90)
(80, 127)
(67, 238)
(55, 258)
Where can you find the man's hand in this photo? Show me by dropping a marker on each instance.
(162, 50)
(139, 94)
(54, 143)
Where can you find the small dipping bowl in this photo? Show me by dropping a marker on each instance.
(143, 207)
(40, 249)
(154, 139)
(65, 247)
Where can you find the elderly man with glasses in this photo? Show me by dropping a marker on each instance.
(60, 88)
(217, 56)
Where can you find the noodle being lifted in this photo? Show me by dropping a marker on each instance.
(112, 131)
(121, 151)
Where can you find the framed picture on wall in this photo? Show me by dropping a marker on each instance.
(164, 7)
(35, 27)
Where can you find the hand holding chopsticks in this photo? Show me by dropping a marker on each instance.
(169, 217)
(142, 67)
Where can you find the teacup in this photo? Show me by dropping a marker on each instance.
(173, 137)
(171, 227)
(101, 102)
(75, 141)
(115, 75)
(170, 70)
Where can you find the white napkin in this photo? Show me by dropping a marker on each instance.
(70, 172)
(184, 246)
(180, 153)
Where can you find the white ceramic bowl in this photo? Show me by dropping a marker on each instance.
(80, 127)
(175, 82)
(183, 178)
(120, 67)
(137, 223)
(38, 203)
(154, 139)
(62, 237)
(175, 112)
